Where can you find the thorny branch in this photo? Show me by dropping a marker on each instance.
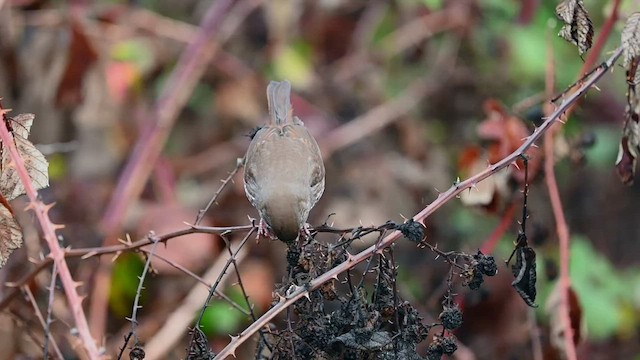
(56, 253)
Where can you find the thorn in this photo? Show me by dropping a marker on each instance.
(474, 186)
(350, 258)
(88, 255)
(306, 294)
(57, 227)
(30, 206)
(515, 164)
(47, 207)
(533, 145)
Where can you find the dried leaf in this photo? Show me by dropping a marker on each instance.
(629, 148)
(81, 57)
(10, 234)
(578, 28)
(37, 166)
(630, 39)
(524, 270)
(553, 308)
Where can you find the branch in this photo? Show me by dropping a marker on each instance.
(56, 253)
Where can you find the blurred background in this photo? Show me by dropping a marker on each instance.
(403, 97)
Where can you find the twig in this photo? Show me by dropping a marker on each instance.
(242, 289)
(136, 301)
(43, 323)
(173, 329)
(442, 199)
(231, 260)
(202, 281)
(56, 253)
(52, 292)
(113, 249)
(376, 118)
(202, 212)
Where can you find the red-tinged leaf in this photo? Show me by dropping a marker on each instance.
(121, 77)
(81, 57)
(487, 192)
(508, 133)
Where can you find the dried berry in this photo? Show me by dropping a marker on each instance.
(486, 264)
(448, 345)
(293, 256)
(451, 317)
(412, 230)
(472, 278)
(435, 351)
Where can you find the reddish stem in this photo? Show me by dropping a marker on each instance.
(56, 253)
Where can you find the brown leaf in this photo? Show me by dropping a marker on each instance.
(554, 307)
(37, 166)
(630, 39)
(10, 234)
(81, 56)
(578, 28)
(629, 148)
(507, 132)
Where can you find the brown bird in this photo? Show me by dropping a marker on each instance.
(284, 172)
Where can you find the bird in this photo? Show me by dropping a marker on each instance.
(284, 174)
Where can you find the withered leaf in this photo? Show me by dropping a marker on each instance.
(557, 329)
(37, 166)
(10, 234)
(629, 148)
(630, 39)
(524, 270)
(578, 28)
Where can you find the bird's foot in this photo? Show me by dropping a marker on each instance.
(264, 230)
(306, 231)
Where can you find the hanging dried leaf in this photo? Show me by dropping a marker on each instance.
(630, 39)
(10, 234)
(630, 141)
(524, 270)
(578, 28)
(629, 148)
(37, 166)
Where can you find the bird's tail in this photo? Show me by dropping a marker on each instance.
(279, 99)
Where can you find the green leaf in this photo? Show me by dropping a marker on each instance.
(124, 283)
(294, 64)
(600, 288)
